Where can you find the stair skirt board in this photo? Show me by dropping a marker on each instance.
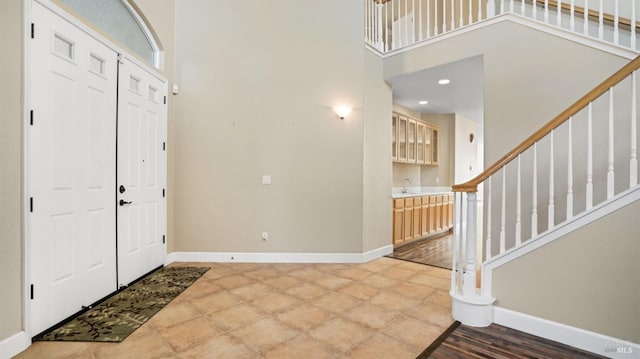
(562, 333)
(249, 257)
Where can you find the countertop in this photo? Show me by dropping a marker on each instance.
(396, 192)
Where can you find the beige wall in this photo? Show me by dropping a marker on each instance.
(590, 278)
(376, 226)
(11, 169)
(523, 69)
(256, 99)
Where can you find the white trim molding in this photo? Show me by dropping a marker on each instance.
(579, 338)
(251, 257)
(14, 345)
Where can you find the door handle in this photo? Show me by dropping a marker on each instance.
(123, 202)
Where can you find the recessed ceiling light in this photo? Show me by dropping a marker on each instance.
(423, 102)
(444, 82)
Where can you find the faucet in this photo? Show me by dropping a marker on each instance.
(404, 184)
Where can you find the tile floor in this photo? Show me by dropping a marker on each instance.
(386, 308)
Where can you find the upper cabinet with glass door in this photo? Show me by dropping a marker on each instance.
(413, 141)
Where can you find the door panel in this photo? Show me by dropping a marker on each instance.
(141, 171)
(71, 165)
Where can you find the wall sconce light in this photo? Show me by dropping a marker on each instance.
(342, 111)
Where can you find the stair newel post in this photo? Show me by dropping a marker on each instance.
(469, 288)
(379, 42)
(633, 161)
(457, 230)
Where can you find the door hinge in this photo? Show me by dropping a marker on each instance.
(31, 117)
(163, 193)
(33, 30)
(165, 100)
(164, 239)
(31, 204)
(31, 290)
(164, 146)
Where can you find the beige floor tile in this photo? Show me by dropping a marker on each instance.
(150, 346)
(54, 350)
(393, 301)
(237, 316)
(380, 281)
(276, 302)
(200, 288)
(412, 331)
(302, 346)
(434, 314)
(224, 346)
(432, 281)
(264, 334)
(379, 264)
(359, 290)
(371, 315)
(333, 282)
(307, 291)
(353, 273)
(399, 273)
(442, 299)
(216, 302)
(174, 313)
(439, 272)
(382, 346)
(305, 316)
(341, 334)
(233, 281)
(252, 291)
(218, 272)
(331, 267)
(307, 274)
(282, 282)
(263, 273)
(190, 333)
(414, 291)
(336, 302)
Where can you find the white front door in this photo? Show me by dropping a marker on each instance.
(71, 164)
(141, 171)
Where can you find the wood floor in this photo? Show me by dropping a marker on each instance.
(496, 341)
(435, 252)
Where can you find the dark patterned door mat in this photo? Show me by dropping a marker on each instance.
(121, 314)
(496, 341)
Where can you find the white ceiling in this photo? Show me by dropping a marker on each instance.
(464, 95)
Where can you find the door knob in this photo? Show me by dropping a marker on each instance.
(123, 202)
(122, 189)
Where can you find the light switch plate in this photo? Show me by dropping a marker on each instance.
(266, 179)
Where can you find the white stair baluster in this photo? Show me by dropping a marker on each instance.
(453, 15)
(610, 167)
(386, 28)
(503, 212)
(589, 194)
(428, 19)
(394, 36)
(616, 27)
(489, 218)
(559, 14)
(379, 38)
(633, 25)
(511, 8)
(552, 205)
(413, 22)
(518, 207)
(601, 22)
(406, 23)
(366, 22)
(491, 8)
(471, 13)
(522, 4)
(533, 9)
(460, 17)
(570, 172)
(572, 22)
(633, 161)
(534, 199)
(585, 29)
(444, 16)
(420, 19)
(501, 6)
(435, 17)
(546, 11)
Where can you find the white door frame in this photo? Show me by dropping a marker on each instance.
(27, 333)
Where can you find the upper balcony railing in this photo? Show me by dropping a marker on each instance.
(395, 24)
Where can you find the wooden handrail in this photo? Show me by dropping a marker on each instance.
(472, 185)
(592, 13)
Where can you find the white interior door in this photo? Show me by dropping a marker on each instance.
(141, 171)
(71, 170)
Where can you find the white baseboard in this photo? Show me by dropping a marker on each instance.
(249, 257)
(14, 345)
(562, 333)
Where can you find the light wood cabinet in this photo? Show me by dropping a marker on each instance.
(414, 141)
(418, 217)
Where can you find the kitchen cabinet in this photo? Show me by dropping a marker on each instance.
(421, 216)
(414, 141)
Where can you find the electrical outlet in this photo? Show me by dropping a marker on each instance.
(265, 236)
